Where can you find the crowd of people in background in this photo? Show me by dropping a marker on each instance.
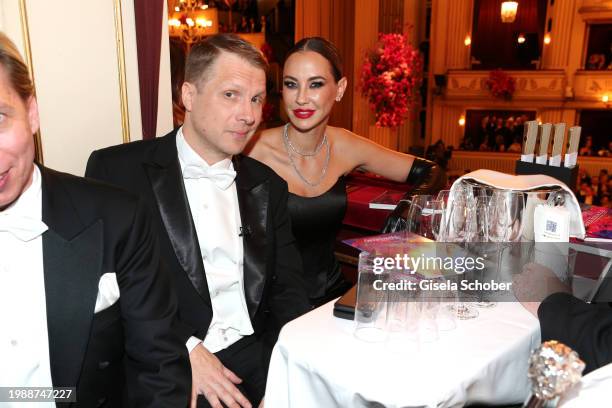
(588, 149)
(496, 134)
(595, 190)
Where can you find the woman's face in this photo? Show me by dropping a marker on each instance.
(309, 89)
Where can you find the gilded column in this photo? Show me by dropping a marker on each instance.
(366, 35)
(556, 54)
(459, 24)
(309, 19)
(445, 125)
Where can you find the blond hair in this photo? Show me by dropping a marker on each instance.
(16, 70)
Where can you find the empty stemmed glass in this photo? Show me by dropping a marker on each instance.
(478, 198)
(457, 217)
(505, 221)
(456, 227)
(436, 209)
(419, 216)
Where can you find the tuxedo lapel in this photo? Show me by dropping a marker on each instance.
(253, 200)
(72, 261)
(163, 170)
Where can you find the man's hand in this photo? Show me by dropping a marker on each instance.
(534, 284)
(214, 381)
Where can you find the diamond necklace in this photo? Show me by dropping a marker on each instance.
(289, 148)
(296, 150)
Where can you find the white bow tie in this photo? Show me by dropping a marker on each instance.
(23, 228)
(223, 178)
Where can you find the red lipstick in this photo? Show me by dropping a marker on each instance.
(303, 113)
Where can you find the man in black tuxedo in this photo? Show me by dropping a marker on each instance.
(585, 327)
(222, 220)
(83, 300)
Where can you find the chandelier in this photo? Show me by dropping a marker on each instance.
(508, 11)
(191, 21)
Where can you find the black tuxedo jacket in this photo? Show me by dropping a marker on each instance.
(127, 354)
(586, 328)
(273, 282)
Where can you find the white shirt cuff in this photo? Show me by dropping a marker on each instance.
(192, 342)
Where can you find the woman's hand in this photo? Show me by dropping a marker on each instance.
(426, 177)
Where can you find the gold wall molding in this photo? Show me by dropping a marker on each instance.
(549, 84)
(123, 94)
(596, 10)
(25, 33)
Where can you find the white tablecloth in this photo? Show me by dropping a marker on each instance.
(318, 363)
(592, 391)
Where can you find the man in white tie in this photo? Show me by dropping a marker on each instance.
(83, 300)
(222, 221)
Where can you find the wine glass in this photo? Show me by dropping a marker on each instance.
(505, 222)
(457, 216)
(442, 198)
(420, 215)
(456, 227)
(478, 235)
(436, 208)
(479, 218)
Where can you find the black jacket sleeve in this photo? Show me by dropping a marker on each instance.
(586, 328)
(156, 362)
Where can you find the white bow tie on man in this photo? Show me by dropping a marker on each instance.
(222, 178)
(22, 227)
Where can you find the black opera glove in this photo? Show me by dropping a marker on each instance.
(426, 177)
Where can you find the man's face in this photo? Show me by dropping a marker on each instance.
(224, 110)
(18, 122)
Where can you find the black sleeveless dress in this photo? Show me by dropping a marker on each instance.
(316, 222)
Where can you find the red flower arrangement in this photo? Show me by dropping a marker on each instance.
(390, 78)
(501, 84)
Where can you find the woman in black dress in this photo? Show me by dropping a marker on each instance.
(314, 157)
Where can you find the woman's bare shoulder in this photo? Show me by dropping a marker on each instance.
(264, 144)
(344, 138)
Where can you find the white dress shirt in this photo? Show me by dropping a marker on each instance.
(217, 221)
(24, 340)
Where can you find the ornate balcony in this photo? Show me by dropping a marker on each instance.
(592, 85)
(530, 85)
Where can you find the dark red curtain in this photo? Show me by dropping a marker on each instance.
(149, 20)
(494, 43)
